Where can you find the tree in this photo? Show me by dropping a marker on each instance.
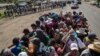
(98, 2)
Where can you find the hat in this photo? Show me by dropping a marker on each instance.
(81, 31)
(92, 35)
(95, 46)
(57, 30)
(22, 54)
(74, 46)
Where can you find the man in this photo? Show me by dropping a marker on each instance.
(6, 52)
(23, 54)
(72, 39)
(74, 50)
(90, 38)
(17, 46)
(92, 50)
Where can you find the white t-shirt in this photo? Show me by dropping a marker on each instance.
(78, 41)
(23, 54)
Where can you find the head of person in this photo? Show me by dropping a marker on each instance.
(37, 23)
(69, 14)
(52, 42)
(7, 52)
(56, 35)
(74, 49)
(92, 36)
(72, 36)
(80, 13)
(16, 41)
(41, 19)
(26, 31)
(36, 42)
(33, 26)
(74, 13)
(43, 28)
(95, 48)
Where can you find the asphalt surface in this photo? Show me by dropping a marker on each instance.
(92, 13)
(13, 28)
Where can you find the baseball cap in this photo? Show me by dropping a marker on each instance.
(74, 46)
(22, 54)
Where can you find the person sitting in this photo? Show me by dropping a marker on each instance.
(74, 50)
(90, 39)
(92, 50)
(22, 54)
(7, 52)
(17, 46)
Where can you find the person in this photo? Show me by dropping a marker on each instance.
(76, 16)
(76, 40)
(81, 14)
(33, 26)
(90, 39)
(81, 33)
(62, 5)
(74, 50)
(57, 37)
(71, 38)
(60, 49)
(7, 52)
(17, 46)
(22, 54)
(53, 47)
(30, 50)
(26, 36)
(92, 50)
(37, 48)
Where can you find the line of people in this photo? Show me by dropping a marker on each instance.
(56, 35)
(17, 10)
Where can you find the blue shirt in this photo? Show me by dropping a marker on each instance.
(16, 50)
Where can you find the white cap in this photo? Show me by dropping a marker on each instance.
(81, 30)
(22, 54)
(57, 30)
(74, 46)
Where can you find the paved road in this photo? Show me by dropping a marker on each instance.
(12, 28)
(92, 13)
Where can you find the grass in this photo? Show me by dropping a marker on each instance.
(1, 14)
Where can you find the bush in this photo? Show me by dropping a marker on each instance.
(1, 15)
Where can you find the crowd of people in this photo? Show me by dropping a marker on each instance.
(56, 35)
(27, 8)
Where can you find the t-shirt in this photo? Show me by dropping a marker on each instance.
(53, 51)
(78, 41)
(86, 52)
(16, 50)
(87, 41)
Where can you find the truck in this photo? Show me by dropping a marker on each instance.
(74, 1)
(79, 1)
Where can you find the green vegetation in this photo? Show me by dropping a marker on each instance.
(98, 2)
(8, 1)
(1, 14)
(1, 1)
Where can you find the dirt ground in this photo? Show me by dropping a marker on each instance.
(10, 28)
